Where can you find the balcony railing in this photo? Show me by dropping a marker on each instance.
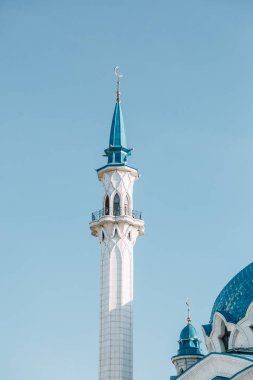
(96, 215)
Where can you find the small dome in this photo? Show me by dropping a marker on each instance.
(188, 332)
(189, 343)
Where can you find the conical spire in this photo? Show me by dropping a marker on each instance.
(117, 152)
(117, 135)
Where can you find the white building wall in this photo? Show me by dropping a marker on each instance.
(182, 363)
(216, 365)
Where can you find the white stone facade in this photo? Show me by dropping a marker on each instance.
(182, 363)
(240, 335)
(216, 366)
(117, 228)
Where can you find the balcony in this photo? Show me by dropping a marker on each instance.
(116, 212)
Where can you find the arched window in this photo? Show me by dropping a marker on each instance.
(116, 205)
(126, 205)
(116, 233)
(107, 205)
(225, 338)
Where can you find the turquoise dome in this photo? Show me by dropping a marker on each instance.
(235, 298)
(189, 343)
(188, 332)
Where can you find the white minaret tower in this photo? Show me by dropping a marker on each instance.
(117, 227)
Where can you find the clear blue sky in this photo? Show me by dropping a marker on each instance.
(187, 102)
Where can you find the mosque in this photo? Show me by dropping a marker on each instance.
(229, 334)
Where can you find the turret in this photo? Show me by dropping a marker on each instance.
(189, 351)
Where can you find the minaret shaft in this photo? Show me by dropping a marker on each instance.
(116, 307)
(117, 230)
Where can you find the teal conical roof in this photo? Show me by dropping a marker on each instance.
(117, 135)
(117, 152)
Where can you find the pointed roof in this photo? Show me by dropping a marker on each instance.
(117, 151)
(117, 135)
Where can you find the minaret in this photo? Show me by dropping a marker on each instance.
(117, 227)
(189, 347)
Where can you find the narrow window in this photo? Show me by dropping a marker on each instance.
(103, 236)
(107, 205)
(225, 338)
(116, 205)
(116, 233)
(126, 205)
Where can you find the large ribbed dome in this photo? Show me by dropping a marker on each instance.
(235, 298)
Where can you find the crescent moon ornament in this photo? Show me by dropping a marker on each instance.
(116, 72)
